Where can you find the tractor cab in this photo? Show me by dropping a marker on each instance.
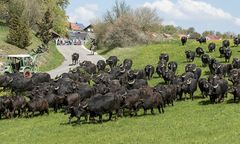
(20, 63)
(24, 63)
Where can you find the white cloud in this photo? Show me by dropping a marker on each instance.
(192, 11)
(84, 14)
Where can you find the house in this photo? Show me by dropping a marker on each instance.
(213, 37)
(89, 28)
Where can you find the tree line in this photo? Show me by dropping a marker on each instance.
(123, 26)
(39, 17)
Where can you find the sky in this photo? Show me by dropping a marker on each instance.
(217, 15)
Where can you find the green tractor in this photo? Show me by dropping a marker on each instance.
(24, 63)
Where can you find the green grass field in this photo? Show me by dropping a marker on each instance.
(49, 60)
(187, 122)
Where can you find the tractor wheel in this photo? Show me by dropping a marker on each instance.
(27, 73)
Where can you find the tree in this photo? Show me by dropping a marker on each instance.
(45, 28)
(119, 9)
(147, 19)
(19, 32)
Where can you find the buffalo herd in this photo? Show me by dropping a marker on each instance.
(114, 88)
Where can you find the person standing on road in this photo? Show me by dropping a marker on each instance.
(93, 46)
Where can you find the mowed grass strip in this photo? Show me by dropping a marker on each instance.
(187, 122)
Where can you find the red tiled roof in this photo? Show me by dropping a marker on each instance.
(75, 27)
(213, 37)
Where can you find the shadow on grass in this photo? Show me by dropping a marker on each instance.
(106, 51)
(205, 102)
(231, 101)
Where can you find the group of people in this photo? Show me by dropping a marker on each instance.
(62, 41)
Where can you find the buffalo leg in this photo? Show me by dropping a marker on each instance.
(110, 116)
(152, 111)
(145, 111)
(70, 120)
(100, 118)
(78, 120)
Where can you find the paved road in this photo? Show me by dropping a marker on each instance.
(67, 51)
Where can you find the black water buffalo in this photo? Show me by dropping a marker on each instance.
(199, 51)
(189, 87)
(173, 66)
(161, 68)
(205, 60)
(211, 47)
(137, 83)
(40, 78)
(150, 100)
(37, 105)
(101, 65)
(226, 69)
(217, 90)
(234, 76)
(226, 43)
(197, 73)
(236, 63)
(184, 40)
(190, 55)
(227, 54)
(76, 111)
(136, 74)
(18, 104)
(201, 40)
(168, 92)
(188, 75)
(127, 64)
(149, 71)
(112, 61)
(235, 91)
(204, 87)
(108, 103)
(222, 51)
(190, 67)
(130, 102)
(168, 76)
(164, 57)
(236, 41)
(75, 58)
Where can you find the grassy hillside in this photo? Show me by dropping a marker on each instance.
(47, 61)
(187, 122)
(149, 54)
